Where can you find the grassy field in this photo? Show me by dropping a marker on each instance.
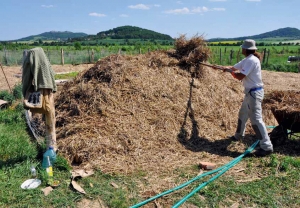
(269, 182)
(275, 58)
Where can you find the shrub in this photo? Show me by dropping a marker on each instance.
(7, 96)
(17, 92)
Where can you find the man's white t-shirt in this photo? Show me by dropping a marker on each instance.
(251, 68)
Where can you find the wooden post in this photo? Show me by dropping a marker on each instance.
(264, 55)
(119, 52)
(6, 78)
(238, 56)
(140, 51)
(231, 56)
(48, 55)
(220, 56)
(268, 54)
(62, 56)
(5, 56)
(93, 55)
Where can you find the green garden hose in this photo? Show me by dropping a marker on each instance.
(222, 170)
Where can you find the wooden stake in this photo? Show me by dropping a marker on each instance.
(5, 78)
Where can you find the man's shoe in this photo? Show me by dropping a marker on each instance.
(262, 153)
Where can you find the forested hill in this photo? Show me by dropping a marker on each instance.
(288, 32)
(131, 32)
(54, 35)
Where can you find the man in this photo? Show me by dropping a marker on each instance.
(248, 71)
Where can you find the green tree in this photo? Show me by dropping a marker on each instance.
(77, 46)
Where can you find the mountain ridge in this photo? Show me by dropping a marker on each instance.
(287, 32)
(53, 35)
(131, 32)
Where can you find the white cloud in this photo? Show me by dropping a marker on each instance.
(178, 11)
(94, 14)
(217, 0)
(199, 9)
(47, 6)
(196, 10)
(219, 9)
(139, 6)
(124, 15)
(254, 0)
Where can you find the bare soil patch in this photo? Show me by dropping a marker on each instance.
(14, 73)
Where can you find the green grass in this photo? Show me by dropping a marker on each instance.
(66, 76)
(276, 60)
(19, 152)
(278, 185)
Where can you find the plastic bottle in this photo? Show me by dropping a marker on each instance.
(49, 171)
(52, 156)
(33, 171)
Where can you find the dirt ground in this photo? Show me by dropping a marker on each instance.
(272, 80)
(13, 74)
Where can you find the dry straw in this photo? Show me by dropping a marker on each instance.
(154, 112)
(285, 105)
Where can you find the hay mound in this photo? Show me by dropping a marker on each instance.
(146, 113)
(289, 100)
(190, 53)
(285, 105)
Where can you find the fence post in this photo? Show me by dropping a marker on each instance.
(5, 57)
(220, 56)
(62, 56)
(238, 56)
(264, 55)
(140, 52)
(48, 55)
(268, 54)
(92, 55)
(231, 56)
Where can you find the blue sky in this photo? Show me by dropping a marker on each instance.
(210, 18)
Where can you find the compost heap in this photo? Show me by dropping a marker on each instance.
(284, 104)
(152, 112)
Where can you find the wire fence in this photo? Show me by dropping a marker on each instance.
(56, 57)
(271, 60)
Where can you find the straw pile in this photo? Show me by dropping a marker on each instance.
(190, 53)
(149, 112)
(285, 105)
